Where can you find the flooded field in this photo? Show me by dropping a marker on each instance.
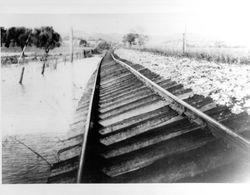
(38, 113)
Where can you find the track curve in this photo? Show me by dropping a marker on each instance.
(125, 131)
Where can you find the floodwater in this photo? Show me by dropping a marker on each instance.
(38, 113)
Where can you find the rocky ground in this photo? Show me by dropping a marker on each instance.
(227, 84)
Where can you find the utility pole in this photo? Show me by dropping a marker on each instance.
(71, 45)
(184, 43)
(184, 47)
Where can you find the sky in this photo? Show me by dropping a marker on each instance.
(220, 19)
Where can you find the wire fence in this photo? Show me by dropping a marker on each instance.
(13, 59)
(47, 61)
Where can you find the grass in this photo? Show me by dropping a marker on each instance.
(211, 54)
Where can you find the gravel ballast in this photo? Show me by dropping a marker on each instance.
(226, 84)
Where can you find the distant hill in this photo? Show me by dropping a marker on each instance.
(114, 37)
(192, 40)
(171, 40)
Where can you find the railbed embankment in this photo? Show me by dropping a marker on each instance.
(226, 84)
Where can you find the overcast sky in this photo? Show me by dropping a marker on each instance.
(222, 19)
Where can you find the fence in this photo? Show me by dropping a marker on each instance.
(49, 61)
(13, 59)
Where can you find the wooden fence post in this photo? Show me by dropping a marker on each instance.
(55, 66)
(21, 77)
(84, 54)
(43, 68)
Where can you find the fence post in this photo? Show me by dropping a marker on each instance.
(55, 67)
(21, 77)
(43, 68)
(84, 54)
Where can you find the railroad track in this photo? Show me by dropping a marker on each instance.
(132, 125)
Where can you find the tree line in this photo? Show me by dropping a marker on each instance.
(44, 37)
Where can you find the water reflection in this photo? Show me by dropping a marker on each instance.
(22, 89)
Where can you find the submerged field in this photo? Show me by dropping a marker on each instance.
(31, 50)
(38, 113)
(227, 84)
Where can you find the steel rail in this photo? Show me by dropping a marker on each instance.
(88, 125)
(193, 114)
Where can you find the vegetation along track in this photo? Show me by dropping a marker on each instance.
(131, 125)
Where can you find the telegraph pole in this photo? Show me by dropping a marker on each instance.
(184, 43)
(184, 46)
